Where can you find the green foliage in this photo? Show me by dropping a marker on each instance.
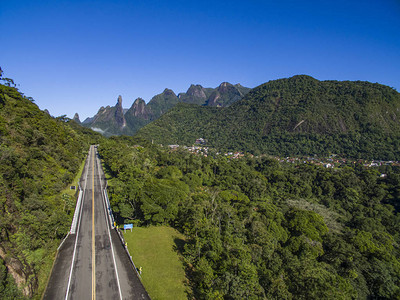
(260, 229)
(306, 223)
(294, 116)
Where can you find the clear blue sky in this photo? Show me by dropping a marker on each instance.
(75, 56)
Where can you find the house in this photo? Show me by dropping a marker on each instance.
(201, 141)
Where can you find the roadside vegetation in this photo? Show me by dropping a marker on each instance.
(156, 249)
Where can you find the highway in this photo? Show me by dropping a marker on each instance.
(92, 263)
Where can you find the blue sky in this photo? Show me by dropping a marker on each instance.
(75, 56)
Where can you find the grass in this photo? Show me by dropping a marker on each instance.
(155, 250)
(75, 182)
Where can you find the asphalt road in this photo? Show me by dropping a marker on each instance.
(93, 264)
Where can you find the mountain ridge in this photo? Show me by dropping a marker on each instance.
(139, 114)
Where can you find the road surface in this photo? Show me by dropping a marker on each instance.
(93, 264)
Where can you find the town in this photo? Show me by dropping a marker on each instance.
(332, 161)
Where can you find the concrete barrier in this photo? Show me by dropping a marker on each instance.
(76, 214)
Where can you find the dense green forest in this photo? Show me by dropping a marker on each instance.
(257, 228)
(294, 116)
(39, 156)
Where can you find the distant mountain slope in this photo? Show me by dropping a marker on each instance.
(293, 116)
(140, 113)
(39, 156)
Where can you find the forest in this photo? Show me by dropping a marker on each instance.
(257, 228)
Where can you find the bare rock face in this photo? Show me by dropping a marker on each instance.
(225, 87)
(225, 94)
(76, 118)
(196, 91)
(27, 284)
(119, 113)
(169, 93)
(138, 109)
(213, 99)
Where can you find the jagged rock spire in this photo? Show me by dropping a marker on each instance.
(119, 113)
(76, 118)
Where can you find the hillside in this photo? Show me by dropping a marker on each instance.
(39, 156)
(294, 116)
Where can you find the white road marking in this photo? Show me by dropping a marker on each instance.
(109, 234)
(77, 234)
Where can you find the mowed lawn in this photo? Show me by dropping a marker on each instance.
(154, 249)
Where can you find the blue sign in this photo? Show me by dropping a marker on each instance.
(128, 226)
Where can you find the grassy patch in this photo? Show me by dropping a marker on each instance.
(75, 182)
(155, 250)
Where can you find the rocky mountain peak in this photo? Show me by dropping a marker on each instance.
(138, 101)
(225, 87)
(76, 118)
(119, 113)
(119, 101)
(138, 109)
(196, 91)
(168, 92)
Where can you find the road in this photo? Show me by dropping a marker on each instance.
(93, 264)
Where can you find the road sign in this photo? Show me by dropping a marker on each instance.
(128, 226)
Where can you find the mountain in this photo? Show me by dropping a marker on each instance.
(140, 113)
(109, 120)
(39, 156)
(293, 116)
